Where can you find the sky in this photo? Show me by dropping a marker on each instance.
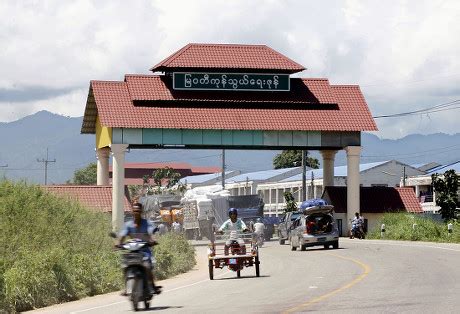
(403, 54)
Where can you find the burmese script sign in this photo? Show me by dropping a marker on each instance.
(231, 81)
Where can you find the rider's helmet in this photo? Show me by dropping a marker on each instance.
(137, 207)
(233, 211)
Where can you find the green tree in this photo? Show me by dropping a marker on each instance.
(291, 205)
(86, 176)
(293, 158)
(446, 187)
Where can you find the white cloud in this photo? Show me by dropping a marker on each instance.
(404, 54)
(71, 104)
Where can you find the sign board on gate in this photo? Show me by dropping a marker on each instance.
(230, 81)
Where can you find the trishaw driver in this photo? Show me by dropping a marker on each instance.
(233, 224)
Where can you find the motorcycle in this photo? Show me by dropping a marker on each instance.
(356, 232)
(134, 264)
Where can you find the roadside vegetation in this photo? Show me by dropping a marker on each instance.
(399, 226)
(53, 250)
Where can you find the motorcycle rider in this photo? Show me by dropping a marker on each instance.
(233, 224)
(356, 225)
(259, 228)
(143, 229)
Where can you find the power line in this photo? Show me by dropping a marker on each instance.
(433, 109)
(447, 148)
(46, 161)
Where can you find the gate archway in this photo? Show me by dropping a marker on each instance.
(226, 97)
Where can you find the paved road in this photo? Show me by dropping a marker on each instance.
(362, 276)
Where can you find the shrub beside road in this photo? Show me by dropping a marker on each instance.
(53, 250)
(400, 226)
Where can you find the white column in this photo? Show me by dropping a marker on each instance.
(353, 182)
(328, 167)
(103, 165)
(118, 187)
(417, 191)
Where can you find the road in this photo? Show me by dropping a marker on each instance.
(363, 276)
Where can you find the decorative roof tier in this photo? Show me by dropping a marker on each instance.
(259, 101)
(230, 57)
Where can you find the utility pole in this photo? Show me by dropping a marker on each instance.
(223, 169)
(404, 176)
(304, 177)
(46, 161)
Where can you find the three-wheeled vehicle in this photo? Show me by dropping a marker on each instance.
(236, 256)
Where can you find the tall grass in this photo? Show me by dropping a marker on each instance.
(53, 250)
(399, 226)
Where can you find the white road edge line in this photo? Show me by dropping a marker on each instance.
(115, 303)
(409, 245)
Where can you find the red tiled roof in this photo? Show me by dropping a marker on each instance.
(410, 200)
(375, 199)
(156, 87)
(155, 165)
(96, 197)
(303, 91)
(227, 56)
(173, 165)
(204, 170)
(115, 108)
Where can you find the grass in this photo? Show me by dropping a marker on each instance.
(399, 226)
(53, 250)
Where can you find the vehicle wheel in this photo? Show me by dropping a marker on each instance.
(137, 293)
(335, 245)
(293, 248)
(257, 262)
(281, 241)
(238, 273)
(211, 270)
(146, 305)
(303, 247)
(326, 246)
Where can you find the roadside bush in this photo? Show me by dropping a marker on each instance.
(174, 255)
(53, 250)
(398, 226)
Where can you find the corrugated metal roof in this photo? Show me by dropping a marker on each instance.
(203, 177)
(258, 175)
(340, 171)
(441, 169)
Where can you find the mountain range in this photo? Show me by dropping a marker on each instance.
(24, 144)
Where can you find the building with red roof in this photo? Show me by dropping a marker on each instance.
(95, 197)
(374, 202)
(135, 172)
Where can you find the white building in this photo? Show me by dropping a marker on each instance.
(423, 188)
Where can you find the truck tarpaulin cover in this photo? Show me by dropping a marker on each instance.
(313, 203)
(247, 205)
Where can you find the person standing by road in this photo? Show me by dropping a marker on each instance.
(176, 227)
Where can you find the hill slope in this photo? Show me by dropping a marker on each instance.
(26, 140)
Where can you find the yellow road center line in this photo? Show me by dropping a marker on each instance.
(366, 271)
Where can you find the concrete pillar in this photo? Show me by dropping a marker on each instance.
(102, 155)
(417, 191)
(353, 182)
(328, 167)
(118, 187)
